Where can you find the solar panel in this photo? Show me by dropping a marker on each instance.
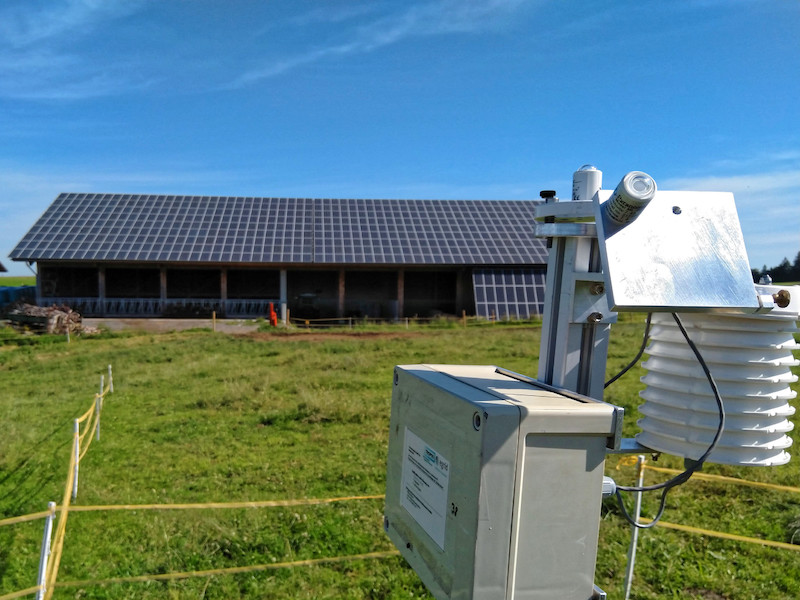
(508, 293)
(215, 229)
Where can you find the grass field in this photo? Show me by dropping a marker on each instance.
(14, 281)
(199, 417)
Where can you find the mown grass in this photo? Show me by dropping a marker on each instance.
(203, 417)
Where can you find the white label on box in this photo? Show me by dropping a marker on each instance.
(423, 491)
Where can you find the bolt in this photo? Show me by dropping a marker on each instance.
(676, 210)
(595, 317)
(597, 288)
(782, 298)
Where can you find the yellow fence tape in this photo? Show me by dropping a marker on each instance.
(207, 505)
(724, 536)
(229, 570)
(21, 593)
(23, 519)
(724, 479)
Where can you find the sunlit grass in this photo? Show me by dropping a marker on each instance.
(203, 417)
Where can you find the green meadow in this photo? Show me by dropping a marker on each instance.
(199, 417)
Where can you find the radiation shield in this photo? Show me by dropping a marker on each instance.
(684, 252)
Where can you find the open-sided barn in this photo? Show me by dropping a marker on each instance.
(160, 255)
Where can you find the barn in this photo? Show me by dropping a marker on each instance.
(138, 255)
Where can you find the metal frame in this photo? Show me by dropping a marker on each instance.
(577, 319)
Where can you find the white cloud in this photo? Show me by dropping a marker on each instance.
(26, 24)
(41, 55)
(416, 20)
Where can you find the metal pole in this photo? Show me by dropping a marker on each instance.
(76, 445)
(45, 554)
(97, 402)
(110, 381)
(635, 533)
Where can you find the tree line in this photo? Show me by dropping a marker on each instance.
(784, 272)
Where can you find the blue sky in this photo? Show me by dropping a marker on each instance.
(401, 99)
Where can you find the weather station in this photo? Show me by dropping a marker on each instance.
(495, 479)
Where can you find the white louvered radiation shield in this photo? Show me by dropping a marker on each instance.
(751, 360)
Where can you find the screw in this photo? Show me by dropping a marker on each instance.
(782, 298)
(595, 317)
(676, 210)
(597, 288)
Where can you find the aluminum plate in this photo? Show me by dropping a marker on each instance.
(684, 252)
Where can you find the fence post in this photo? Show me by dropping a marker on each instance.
(97, 401)
(76, 446)
(635, 533)
(110, 381)
(45, 554)
(98, 405)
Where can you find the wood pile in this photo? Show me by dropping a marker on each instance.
(47, 319)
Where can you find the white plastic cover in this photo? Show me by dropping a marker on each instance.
(750, 357)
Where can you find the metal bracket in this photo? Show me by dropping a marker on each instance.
(630, 446)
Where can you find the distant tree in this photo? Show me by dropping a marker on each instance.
(785, 271)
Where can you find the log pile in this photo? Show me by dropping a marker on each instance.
(47, 319)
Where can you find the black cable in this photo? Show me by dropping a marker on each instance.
(681, 478)
(662, 505)
(631, 364)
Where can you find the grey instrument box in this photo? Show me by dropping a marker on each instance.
(494, 484)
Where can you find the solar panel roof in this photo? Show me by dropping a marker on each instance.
(218, 229)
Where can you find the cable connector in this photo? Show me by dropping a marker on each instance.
(609, 486)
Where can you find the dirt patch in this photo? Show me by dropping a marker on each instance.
(166, 325)
(302, 336)
(241, 328)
